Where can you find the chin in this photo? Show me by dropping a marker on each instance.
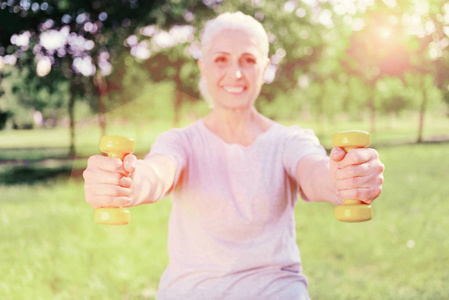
(234, 103)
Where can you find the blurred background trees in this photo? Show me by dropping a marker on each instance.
(329, 59)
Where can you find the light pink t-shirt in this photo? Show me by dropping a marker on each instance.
(232, 228)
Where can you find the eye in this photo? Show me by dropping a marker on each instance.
(220, 59)
(250, 60)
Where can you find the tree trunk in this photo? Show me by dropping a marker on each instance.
(177, 101)
(71, 108)
(372, 117)
(422, 112)
(101, 87)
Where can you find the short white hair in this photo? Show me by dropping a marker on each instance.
(230, 21)
(234, 21)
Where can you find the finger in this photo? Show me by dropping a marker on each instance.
(100, 176)
(96, 176)
(337, 154)
(358, 156)
(107, 189)
(366, 195)
(129, 163)
(108, 201)
(106, 163)
(126, 182)
(365, 169)
(372, 180)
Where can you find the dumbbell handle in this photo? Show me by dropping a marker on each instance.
(115, 147)
(352, 210)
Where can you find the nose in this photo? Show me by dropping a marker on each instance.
(236, 71)
(238, 74)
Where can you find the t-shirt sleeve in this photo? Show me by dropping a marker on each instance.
(298, 144)
(171, 144)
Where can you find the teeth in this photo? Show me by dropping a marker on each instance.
(233, 89)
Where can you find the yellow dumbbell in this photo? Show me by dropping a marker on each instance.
(352, 210)
(116, 147)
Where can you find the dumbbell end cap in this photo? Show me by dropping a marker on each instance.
(352, 138)
(112, 216)
(115, 142)
(354, 213)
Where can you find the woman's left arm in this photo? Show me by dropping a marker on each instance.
(357, 174)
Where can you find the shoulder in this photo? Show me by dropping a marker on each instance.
(293, 132)
(296, 139)
(180, 133)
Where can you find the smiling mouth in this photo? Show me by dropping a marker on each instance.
(234, 89)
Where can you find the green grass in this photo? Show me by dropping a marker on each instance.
(403, 253)
(51, 248)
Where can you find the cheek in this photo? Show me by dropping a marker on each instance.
(257, 78)
(213, 75)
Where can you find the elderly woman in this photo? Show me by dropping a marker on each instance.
(234, 177)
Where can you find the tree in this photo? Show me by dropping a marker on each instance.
(397, 40)
(78, 41)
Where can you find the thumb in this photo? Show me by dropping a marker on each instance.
(337, 154)
(129, 163)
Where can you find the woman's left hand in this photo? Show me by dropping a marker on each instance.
(358, 174)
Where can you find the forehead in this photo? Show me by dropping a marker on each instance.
(235, 42)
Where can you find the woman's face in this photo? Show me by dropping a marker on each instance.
(233, 67)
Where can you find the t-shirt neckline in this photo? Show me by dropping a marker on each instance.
(216, 137)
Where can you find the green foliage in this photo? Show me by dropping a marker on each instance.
(387, 65)
(153, 103)
(286, 106)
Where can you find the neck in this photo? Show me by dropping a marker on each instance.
(240, 126)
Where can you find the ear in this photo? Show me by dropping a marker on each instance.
(266, 65)
(265, 68)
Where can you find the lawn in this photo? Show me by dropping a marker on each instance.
(51, 248)
(403, 253)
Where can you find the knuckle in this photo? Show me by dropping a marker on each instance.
(359, 155)
(375, 193)
(380, 180)
(91, 160)
(85, 174)
(120, 191)
(125, 182)
(116, 162)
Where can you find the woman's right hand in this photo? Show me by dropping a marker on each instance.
(108, 181)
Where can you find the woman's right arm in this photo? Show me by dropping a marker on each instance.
(109, 182)
(153, 179)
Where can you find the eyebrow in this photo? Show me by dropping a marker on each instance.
(227, 53)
